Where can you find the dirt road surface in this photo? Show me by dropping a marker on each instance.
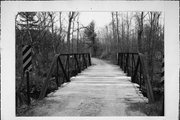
(100, 90)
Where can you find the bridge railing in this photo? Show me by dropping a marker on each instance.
(63, 67)
(134, 65)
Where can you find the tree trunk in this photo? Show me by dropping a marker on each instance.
(71, 14)
(128, 24)
(140, 31)
(77, 37)
(52, 30)
(72, 42)
(60, 31)
(123, 36)
(118, 40)
(114, 36)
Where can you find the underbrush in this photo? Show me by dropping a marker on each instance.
(35, 85)
(110, 56)
(150, 109)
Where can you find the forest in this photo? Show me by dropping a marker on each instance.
(51, 33)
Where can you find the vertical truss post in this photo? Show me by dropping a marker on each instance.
(85, 63)
(140, 80)
(75, 57)
(136, 70)
(89, 58)
(146, 79)
(68, 73)
(63, 70)
(127, 63)
(118, 59)
(57, 74)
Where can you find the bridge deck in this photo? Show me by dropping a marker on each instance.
(101, 90)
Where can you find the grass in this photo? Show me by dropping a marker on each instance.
(150, 109)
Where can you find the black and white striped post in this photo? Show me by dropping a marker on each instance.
(27, 66)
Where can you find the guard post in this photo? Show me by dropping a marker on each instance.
(27, 67)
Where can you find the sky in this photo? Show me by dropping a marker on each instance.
(103, 18)
(100, 18)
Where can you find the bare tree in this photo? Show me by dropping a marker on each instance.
(77, 44)
(61, 39)
(123, 47)
(128, 24)
(52, 18)
(117, 29)
(113, 30)
(153, 33)
(72, 16)
(140, 20)
(27, 22)
(91, 40)
(60, 23)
